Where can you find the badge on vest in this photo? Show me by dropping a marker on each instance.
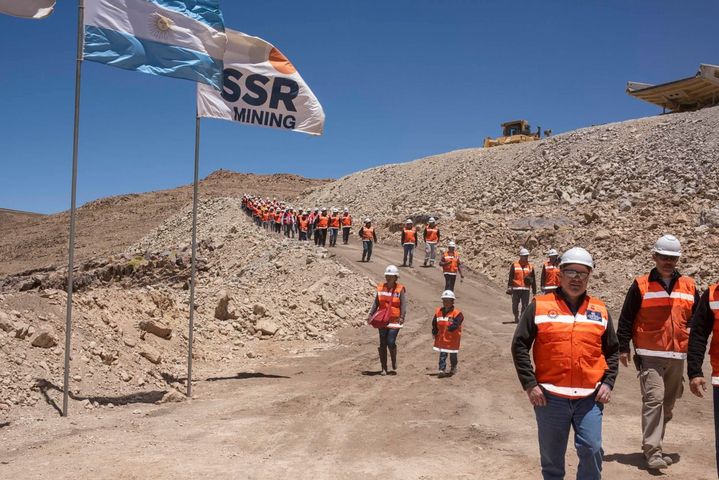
(594, 316)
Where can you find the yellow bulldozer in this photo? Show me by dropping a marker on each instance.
(516, 131)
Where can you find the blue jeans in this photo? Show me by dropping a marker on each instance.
(553, 424)
(453, 360)
(388, 337)
(716, 426)
(408, 253)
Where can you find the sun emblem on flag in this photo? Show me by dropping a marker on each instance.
(160, 25)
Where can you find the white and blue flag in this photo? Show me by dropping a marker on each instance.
(27, 8)
(174, 38)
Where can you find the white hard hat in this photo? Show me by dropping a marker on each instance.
(448, 294)
(577, 255)
(367, 220)
(523, 252)
(347, 209)
(668, 245)
(391, 270)
(324, 209)
(334, 210)
(552, 252)
(452, 245)
(431, 220)
(409, 220)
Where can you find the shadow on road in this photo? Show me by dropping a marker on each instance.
(245, 376)
(46, 386)
(4, 424)
(371, 373)
(637, 460)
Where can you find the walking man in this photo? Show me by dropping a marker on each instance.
(431, 239)
(655, 317)
(409, 242)
(575, 352)
(447, 333)
(550, 272)
(346, 226)
(334, 227)
(368, 236)
(521, 279)
(451, 266)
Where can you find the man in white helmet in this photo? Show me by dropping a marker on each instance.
(550, 272)
(575, 352)
(447, 333)
(431, 239)
(369, 238)
(451, 266)
(521, 280)
(409, 242)
(346, 226)
(655, 318)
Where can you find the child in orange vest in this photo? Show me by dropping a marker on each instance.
(447, 332)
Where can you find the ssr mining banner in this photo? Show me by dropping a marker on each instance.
(260, 86)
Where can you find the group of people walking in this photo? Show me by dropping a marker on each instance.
(576, 352)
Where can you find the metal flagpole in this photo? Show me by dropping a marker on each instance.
(193, 269)
(73, 204)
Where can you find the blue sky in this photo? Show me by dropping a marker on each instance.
(398, 79)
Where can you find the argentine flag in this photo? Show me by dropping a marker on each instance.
(175, 38)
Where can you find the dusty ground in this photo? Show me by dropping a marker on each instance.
(325, 415)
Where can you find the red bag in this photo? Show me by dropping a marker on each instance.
(381, 317)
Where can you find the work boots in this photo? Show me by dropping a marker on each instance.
(383, 359)
(393, 356)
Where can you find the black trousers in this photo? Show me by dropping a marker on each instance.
(519, 296)
(346, 235)
(449, 281)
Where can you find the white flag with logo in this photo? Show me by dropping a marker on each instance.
(261, 87)
(27, 8)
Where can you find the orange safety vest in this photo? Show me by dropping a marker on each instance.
(304, 224)
(368, 233)
(347, 220)
(335, 221)
(391, 297)
(660, 327)
(551, 276)
(714, 346)
(567, 350)
(451, 262)
(410, 236)
(278, 217)
(432, 235)
(520, 273)
(323, 222)
(266, 216)
(447, 341)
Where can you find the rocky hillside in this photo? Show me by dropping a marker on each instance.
(612, 188)
(109, 225)
(257, 297)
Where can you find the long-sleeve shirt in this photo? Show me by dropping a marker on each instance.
(526, 333)
(424, 235)
(633, 302)
(415, 237)
(702, 326)
(531, 276)
(402, 304)
(543, 278)
(456, 322)
(361, 234)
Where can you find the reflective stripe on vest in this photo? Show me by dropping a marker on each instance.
(346, 221)
(451, 267)
(714, 346)
(551, 276)
(520, 273)
(410, 235)
(323, 222)
(368, 233)
(392, 297)
(568, 348)
(446, 341)
(660, 326)
(432, 235)
(335, 221)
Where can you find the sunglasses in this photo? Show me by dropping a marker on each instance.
(572, 274)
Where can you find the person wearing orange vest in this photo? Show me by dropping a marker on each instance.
(655, 318)
(575, 352)
(346, 226)
(369, 237)
(550, 272)
(409, 242)
(335, 224)
(312, 216)
(391, 295)
(322, 223)
(447, 332)
(521, 280)
(451, 266)
(304, 226)
(705, 322)
(431, 239)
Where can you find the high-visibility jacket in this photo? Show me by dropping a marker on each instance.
(446, 341)
(551, 276)
(714, 346)
(568, 357)
(304, 224)
(660, 326)
(278, 217)
(520, 273)
(266, 216)
(450, 262)
(432, 235)
(335, 221)
(368, 233)
(410, 236)
(323, 222)
(346, 220)
(385, 296)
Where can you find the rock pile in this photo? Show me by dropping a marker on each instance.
(613, 188)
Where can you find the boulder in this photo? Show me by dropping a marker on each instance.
(225, 309)
(156, 328)
(45, 338)
(267, 327)
(152, 355)
(6, 324)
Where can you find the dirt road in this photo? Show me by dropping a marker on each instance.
(329, 416)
